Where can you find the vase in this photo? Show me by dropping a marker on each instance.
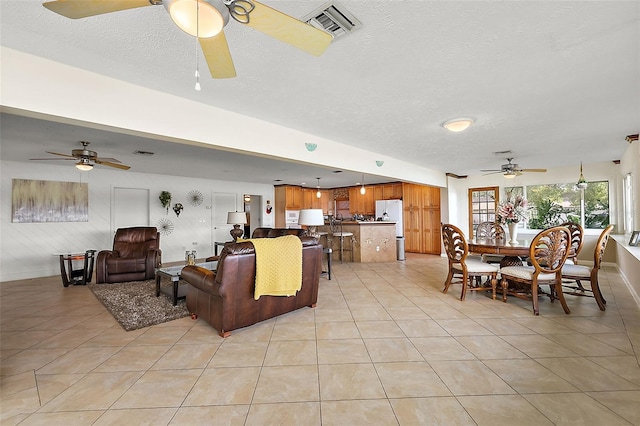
(513, 232)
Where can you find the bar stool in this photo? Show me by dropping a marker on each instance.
(326, 249)
(337, 232)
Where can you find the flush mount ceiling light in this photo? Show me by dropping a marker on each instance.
(582, 182)
(458, 124)
(310, 146)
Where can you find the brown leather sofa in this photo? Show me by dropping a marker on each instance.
(267, 233)
(276, 232)
(224, 298)
(135, 255)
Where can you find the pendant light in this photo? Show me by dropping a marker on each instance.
(362, 188)
(582, 183)
(318, 193)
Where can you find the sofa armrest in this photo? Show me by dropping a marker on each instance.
(200, 278)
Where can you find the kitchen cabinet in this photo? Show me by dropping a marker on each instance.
(308, 198)
(378, 192)
(293, 198)
(362, 204)
(421, 216)
(391, 191)
(286, 198)
(324, 202)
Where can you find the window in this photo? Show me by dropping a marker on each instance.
(627, 200)
(553, 204)
(482, 206)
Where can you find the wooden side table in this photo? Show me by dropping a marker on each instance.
(78, 276)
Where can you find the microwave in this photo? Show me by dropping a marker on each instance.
(291, 216)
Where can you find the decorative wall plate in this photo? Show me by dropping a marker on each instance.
(165, 226)
(195, 198)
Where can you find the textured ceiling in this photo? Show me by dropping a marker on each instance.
(535, 75)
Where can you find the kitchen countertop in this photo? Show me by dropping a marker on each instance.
(368, 222)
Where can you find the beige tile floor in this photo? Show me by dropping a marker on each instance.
(384, 346)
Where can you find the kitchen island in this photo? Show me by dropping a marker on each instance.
(372, 241)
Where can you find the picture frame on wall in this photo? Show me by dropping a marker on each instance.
(635, 238)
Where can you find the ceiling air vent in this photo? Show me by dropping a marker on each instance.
(334, 19)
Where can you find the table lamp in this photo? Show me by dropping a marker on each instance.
(311, 218)
(236, 219)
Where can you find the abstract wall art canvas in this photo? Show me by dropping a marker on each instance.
(35, 201)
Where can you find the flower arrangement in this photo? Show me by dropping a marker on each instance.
(165, 199)
(513, 210)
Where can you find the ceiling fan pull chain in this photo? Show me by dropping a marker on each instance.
(240, 10)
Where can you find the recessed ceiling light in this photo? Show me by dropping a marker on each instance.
(458, 124)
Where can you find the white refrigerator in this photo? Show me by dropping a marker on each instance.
(393, 209)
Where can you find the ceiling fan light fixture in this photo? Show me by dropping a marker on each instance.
(84, 165)
(198, 18)
(510, 175)
(458, 124)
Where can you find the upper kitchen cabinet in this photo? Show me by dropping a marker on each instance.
(391, 191)
(293, 197)
(363, 204)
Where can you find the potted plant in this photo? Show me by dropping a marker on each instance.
(165, 199)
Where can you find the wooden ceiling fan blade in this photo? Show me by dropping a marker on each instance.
(117, 166)
(110, 160)
(56, 159)
(218, 57)
(289, 30)
(75, 9)
(534, 170)
(62, 155)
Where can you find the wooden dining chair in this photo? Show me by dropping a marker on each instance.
(580, 273)
(493, 231)
(457, 250)
(548, 253)
(577, 234)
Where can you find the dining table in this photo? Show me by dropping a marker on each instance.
(501, 246)
(514, 254)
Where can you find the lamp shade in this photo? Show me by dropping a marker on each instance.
(311, 217)
(236, 218)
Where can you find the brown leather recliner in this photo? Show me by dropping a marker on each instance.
(135, 255)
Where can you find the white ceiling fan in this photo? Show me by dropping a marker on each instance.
(205, 19)
(511, 170)
(85, 158)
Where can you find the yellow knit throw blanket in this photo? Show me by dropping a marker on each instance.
(278, 266)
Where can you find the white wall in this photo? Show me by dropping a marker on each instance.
(26, 248)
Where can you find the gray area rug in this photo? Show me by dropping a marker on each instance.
(135, 305)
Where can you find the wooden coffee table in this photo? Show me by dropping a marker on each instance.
(176, 291)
